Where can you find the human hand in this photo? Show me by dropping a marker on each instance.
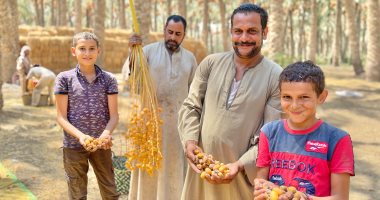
(85, 141)
(106, 140)
(259, 191)
(190, 147)
(264, 189)
(135, 39)
(233, 169)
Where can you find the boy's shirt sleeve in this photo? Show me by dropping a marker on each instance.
(61, 85)
(112, 86)
(263, 157)
(343, 158)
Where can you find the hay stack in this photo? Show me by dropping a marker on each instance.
(51, 47)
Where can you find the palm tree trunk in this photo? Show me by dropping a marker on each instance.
(182, 8)
(99, 30)
(291, 37)
(53, 13)
(143, 15)
(89, 13)
(338, 34)
(1, 80)
(62, 13)
(122, 21)
(205, 22)
(1, 95)
(155, 14)
(276, 43)
(9, 39)
(313, 39)
(169, 7)
(373, 44)
(39, 9)
(353, 34)
(223, 21)
(78, 16)
(301, 33)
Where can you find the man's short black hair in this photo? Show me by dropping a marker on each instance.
(250, 7)
(304, 72)
(176, 18)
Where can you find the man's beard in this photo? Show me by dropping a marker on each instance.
(256, 49)
(172, 45)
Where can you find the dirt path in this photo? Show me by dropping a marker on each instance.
(30, 139)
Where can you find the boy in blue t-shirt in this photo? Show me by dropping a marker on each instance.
(302, 150)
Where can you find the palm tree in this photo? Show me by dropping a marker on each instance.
(9, 42)
(53, 14)
(353, 35)
(276, 43)
(373, 44)
(1, 82)
(182, 8)
(206, 17)
(78, 16)
(223, 21)
(169, 7)
(39, 8)
(312, 45)
(338, 34)
(9, 38)
(122, 22)
(62, 13)
(99, 30)
(143, 14)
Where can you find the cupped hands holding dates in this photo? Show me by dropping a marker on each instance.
(92, 144)
(266, 190)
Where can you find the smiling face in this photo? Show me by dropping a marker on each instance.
(174, 33)
(299, 101)
(86, 51)
(247, 34)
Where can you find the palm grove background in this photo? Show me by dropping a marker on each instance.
(325, 31)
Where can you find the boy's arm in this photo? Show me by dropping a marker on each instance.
(262, 173)
(61, 104)
(340, 187)
(114, 119)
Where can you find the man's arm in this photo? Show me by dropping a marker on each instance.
(272, 111)
(189, 115)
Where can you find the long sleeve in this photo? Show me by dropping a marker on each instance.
(189, 119)
(272, 111)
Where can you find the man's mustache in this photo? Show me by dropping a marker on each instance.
(244, 43)
(172, 41)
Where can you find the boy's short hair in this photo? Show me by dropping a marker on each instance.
(85, 36)
(304, 72)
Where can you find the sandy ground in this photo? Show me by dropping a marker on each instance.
(30, 139)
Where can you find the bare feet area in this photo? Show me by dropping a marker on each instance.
(30, 140)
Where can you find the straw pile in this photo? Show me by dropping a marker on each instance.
(51, 47)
